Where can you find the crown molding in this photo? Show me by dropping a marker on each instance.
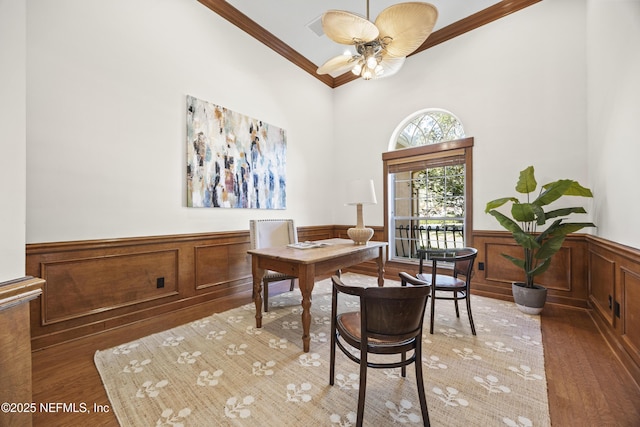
(249, 26)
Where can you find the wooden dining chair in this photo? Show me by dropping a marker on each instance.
(268, 233)
(445, 286)
(388, 322)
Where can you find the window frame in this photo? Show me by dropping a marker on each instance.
(453, 148)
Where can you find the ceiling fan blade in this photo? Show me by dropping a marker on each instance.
(346, 28)
(337, 64)
(408, 25)
(390, 65)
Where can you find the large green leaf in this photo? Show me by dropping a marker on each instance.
(523, 212)
(499, 202)
(564, 212)
(518, 262)
(505, 221)
(569, 227)
(541, 268)
(575, 189)
(553, 192)
(541, 216)
(527, 181)
(523, 239)
(550, 247)
(549, 231)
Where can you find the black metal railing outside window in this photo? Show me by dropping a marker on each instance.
(411, 237)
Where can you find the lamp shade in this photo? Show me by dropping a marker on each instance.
(361, 192)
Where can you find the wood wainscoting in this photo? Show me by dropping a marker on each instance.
(94, 286)
(614, 294)
(97, 285)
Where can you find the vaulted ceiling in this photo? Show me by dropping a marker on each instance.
(292, 27)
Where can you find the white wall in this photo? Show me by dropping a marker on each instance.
(106, 87)
(519, 87)
(614, 111)
(12, 138)
(106, 83)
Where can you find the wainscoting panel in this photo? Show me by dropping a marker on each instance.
(81, 287)
(220, 264)
(566, 278)
(630, 282)
(602, 279)
(500, 269)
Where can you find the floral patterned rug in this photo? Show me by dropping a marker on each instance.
(223, 371)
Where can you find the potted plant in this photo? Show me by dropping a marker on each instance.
(538, 247)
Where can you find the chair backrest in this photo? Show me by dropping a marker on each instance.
(393, 312)
(268, 233)
(389, 311)
(463, 260)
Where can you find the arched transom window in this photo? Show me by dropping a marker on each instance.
(428, 127)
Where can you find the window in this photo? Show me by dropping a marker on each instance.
(427, 127)
(428, 185)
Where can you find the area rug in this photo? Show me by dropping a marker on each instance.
(223, 371)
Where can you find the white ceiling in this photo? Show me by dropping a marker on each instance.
(289, 20)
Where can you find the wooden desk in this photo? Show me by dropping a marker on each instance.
(306, 264)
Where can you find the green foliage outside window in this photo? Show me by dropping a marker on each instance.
(439, 191)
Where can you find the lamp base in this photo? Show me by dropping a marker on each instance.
(360, 236)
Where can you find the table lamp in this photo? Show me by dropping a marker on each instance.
(360, 192)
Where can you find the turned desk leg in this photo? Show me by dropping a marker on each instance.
(306, 282)
(380, 261)
(258, 274)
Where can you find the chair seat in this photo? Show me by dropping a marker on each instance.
(443, 281)
(350, 325)
(269, 274)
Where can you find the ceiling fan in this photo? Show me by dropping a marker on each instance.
(381, 47)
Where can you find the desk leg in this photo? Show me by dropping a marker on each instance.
(258, 274)
(380, 261)
(306, 282)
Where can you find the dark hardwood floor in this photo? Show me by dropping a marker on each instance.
(588, 385)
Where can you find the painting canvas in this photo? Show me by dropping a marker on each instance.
(233, 161)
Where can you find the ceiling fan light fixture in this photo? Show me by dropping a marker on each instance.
(367, 62)
(368, 69)
(382, 46)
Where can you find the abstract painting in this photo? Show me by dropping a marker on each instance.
(233, 161)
